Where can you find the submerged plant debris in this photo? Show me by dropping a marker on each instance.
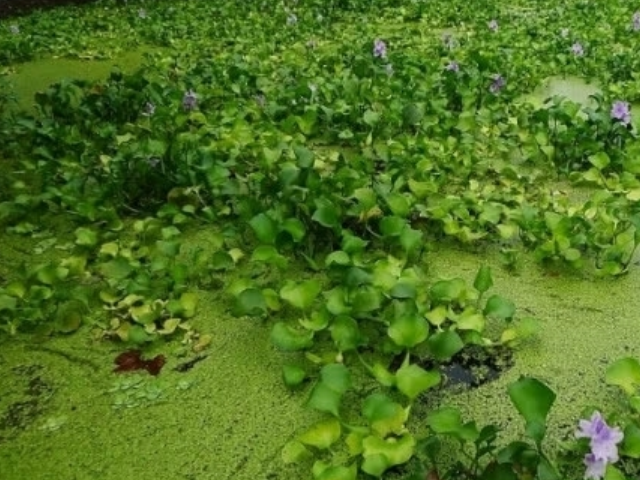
(132, 360)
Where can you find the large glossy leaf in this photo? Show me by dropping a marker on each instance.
(300, 295)
(533, 400)
(413, 380)
(624, 373)
(289, 339)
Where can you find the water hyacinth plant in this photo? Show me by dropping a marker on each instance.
(355, 204)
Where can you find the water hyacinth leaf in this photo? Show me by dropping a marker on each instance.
(293, 375)
(85, 237)
(384, 415)
(325, 399)
(337, 258)
(109, 249)
(268, 254)
(337, 301)
(7, 302)
(366, 299)
(408, 330)
(117, 269)
(437, 316)
(631, 442)
(15, 289)
(295, 452)
(304, 156)
(383, 375)
(326, 214)
(392, 226)
(470, 319)
(371, 118)
(345, 333)
(624, 373)
(613, 473)
(250, 302)
(301, 295)
(499, 471)
(322, 471)
(288, 339)
(403, 290)
(221, 260)
(264, 228)
(447, 290)
(323, 434)
(500, 307)
(381, 454)
(38, 293)
(410, 239)
(412, 380)
(50, 274)
(533, 400)
(353, 244)
(600, 160)
(68, 320)
(483, 280)
(398, 204)
(444, 345)
(353, 441)
(318, 320)
(295, 228)
(336, 376)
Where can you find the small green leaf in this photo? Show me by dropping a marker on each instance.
(301, 295)
(412, 380)
(444, 345)
(624, 373)
(334, 472)
(409, 330)
(325, 399)
(295, 452)
(384, 415)
(500, 307)
(323, 434)
(380, 454)
(631, 443)
(295, 228)
(265, 228)
(288, 339)
(293, 375)
(600, 160)
(86, 237)
(326, 214)
(250, 302)
(345, 333)
(483, 281)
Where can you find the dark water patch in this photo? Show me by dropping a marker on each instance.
(470, 368)
(30, 404)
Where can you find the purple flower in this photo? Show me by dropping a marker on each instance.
(14, 29)
(292, 19)
(497, 84)
(379, 48)
(636, 21)
(149, 109)
(190, 100)
(621, 111)
(603, 441)
(142, 13)
(577, 49)
(453, 66)
(595, 468)
(493, 25)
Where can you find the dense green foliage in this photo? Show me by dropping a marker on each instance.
(349, 138)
